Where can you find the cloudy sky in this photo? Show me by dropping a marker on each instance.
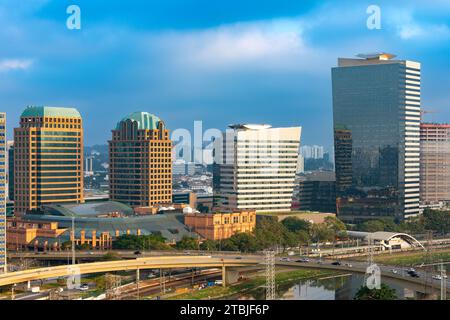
(222, 62)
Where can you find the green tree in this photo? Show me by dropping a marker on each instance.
(384, 293)
(372, 226)
(437, 220)
(321, 233)
(187, 243)
(244, 242)
(209, 245)
(294, 224)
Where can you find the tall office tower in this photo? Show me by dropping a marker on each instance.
(255, 167)
(140, 156)
(376, 107)
(48, 158)
(3, 192)
(435, 163)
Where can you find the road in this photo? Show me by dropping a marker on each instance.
(164, 262)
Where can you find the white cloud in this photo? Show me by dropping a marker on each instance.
(15, 64)
(414, 30)
(273, 44)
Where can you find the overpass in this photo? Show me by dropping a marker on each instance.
(166, 262)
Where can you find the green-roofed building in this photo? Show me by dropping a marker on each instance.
(140, 155)
(48, 152)
(44, 111)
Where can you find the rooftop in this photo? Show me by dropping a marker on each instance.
(44, 111)
(145, 120)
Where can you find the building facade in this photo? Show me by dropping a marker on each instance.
(140, 155)
(48, 158)
(376, 109)
(219, 226)
(315, 191)
(3, 186)
(435, 163)
(255, 168)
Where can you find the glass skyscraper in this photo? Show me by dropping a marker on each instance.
(376, 109)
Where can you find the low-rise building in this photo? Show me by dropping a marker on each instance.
(219, 226)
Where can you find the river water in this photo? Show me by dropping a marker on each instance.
(337, 288)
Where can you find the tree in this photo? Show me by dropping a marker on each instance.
(372, 226)
(321, 233)
(244, 242)
(187, 243)
(208, 245)
(384, 293)
(143, 242)
(294, 224)
(437, 220)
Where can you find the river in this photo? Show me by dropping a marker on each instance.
(336, 288)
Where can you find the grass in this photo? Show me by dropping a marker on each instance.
(217, 292)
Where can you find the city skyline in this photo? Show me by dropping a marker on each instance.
(187, 68)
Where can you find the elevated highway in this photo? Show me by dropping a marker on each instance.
(164, 262)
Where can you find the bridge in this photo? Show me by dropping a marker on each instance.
(165, 262)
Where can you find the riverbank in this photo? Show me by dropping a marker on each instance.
(282, 278)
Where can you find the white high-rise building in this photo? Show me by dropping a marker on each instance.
(312, 152)
(255, 167)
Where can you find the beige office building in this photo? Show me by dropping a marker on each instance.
(48, 158)
(435, 163)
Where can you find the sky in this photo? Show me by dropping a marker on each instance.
(220, 62)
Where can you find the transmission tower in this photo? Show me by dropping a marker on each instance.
(443, 282)
(270, 275)
(369, 257)
(428, 284)
(112, 285)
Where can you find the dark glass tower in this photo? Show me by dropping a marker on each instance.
(376, 108)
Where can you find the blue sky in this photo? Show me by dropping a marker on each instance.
(222, 62)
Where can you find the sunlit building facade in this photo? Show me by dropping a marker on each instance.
(48, 158)
(140, 155)
(376, 108)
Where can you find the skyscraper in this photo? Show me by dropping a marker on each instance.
(2, 192)
(376, 108)
(435, 163)
(48, 158)
(140, 155)
(255, 167)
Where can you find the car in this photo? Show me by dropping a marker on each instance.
(394, 271)
(137, 252)
(336, 263)
(285, 259)
(303, 260)
(413, 274)
(349, 265)
(437, 277)
(84, 287)
(238, 258)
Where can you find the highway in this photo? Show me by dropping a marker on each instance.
(164, 262)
